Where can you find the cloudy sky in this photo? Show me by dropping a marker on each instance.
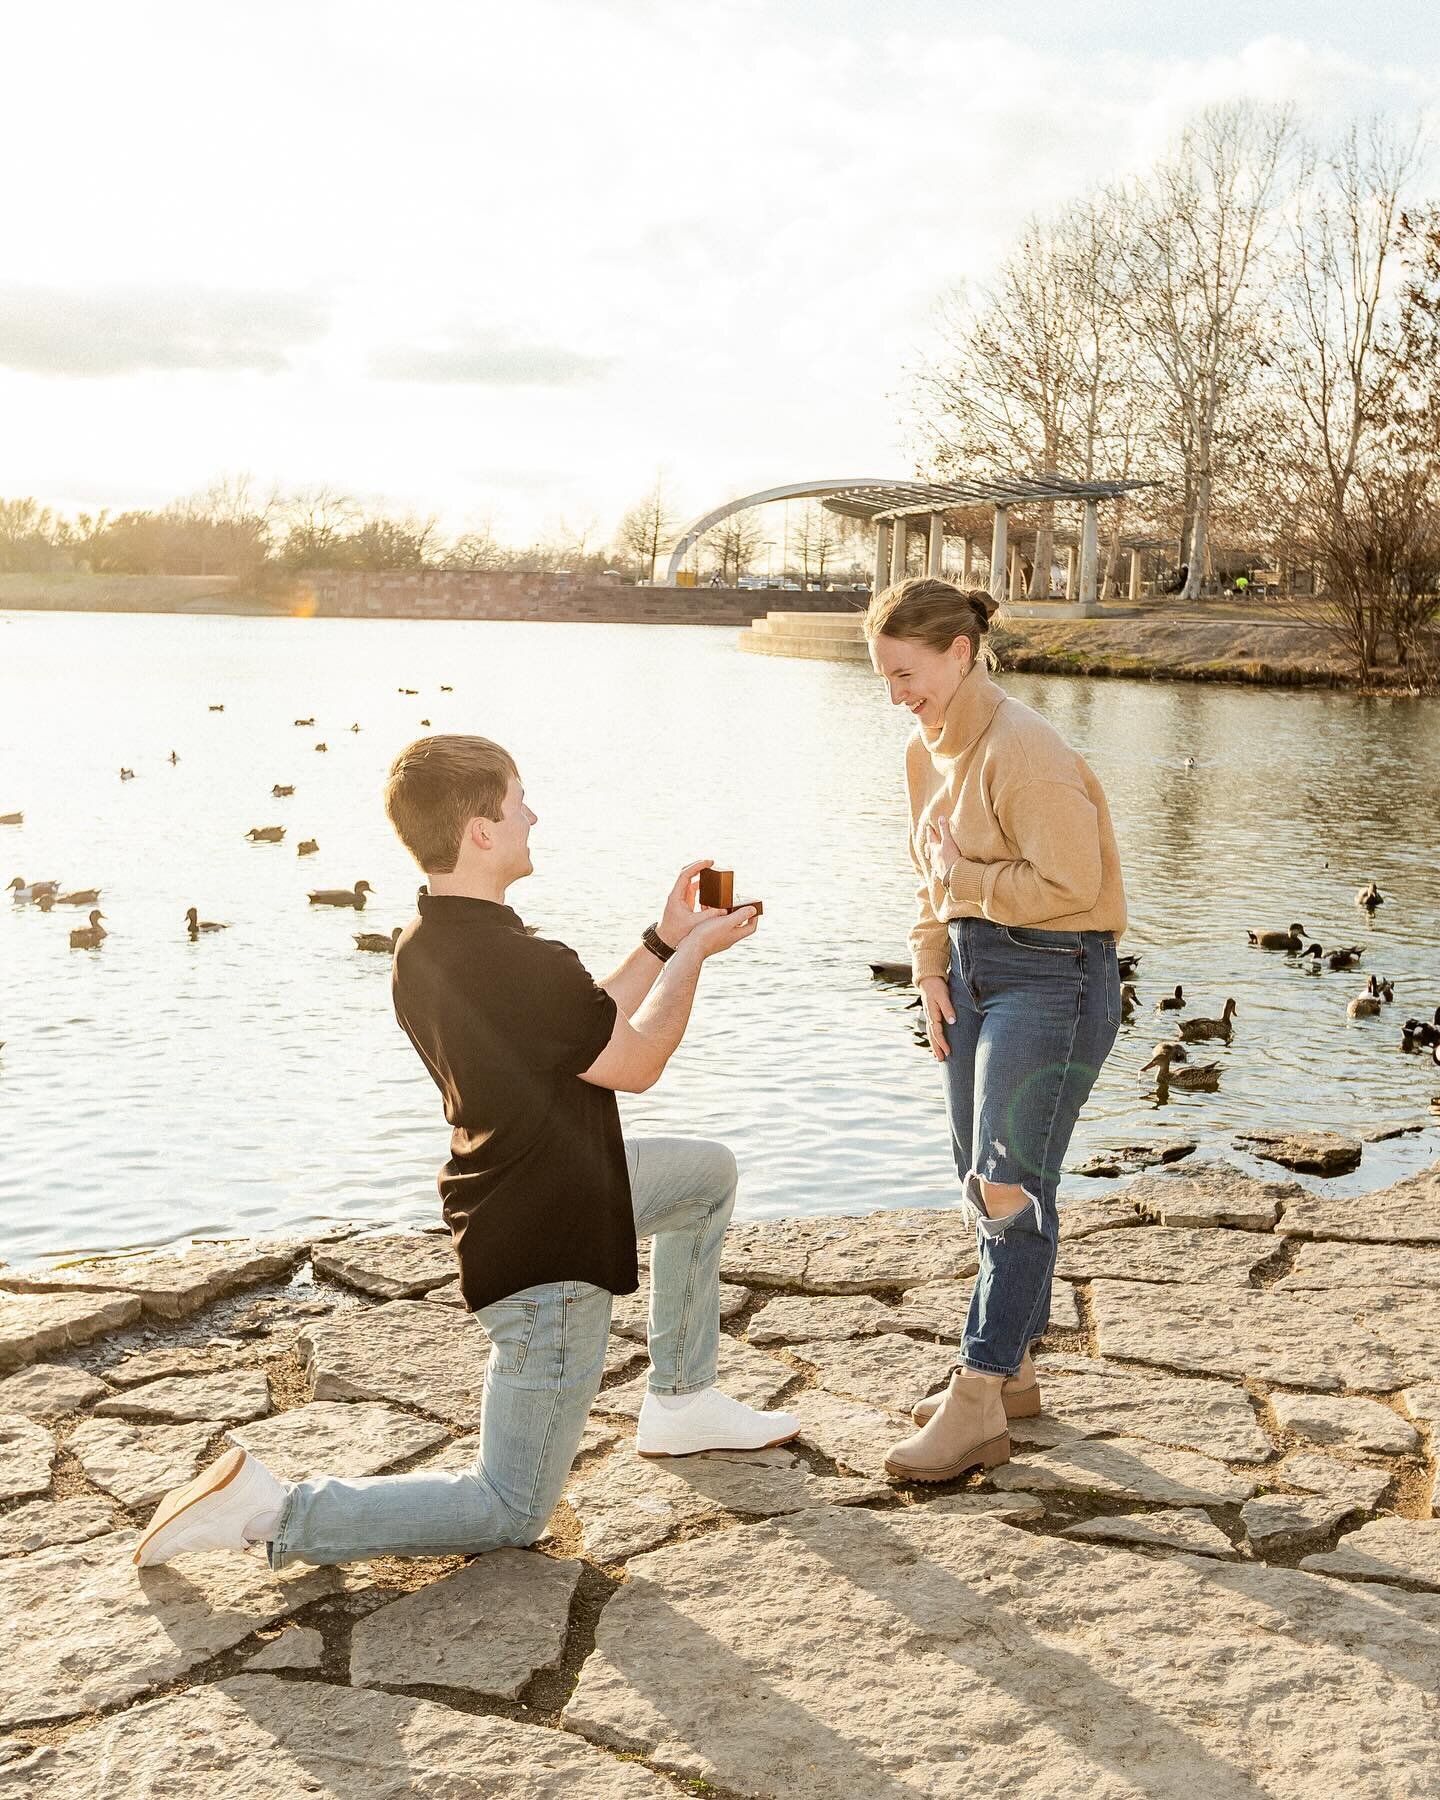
(505, 259)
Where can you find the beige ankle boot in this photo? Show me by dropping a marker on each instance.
(1021, 1394)
(968, 1430)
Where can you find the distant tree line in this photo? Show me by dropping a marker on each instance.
(1253, 324)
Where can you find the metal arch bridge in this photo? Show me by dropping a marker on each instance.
(881, 499)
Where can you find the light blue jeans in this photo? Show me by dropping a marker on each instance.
(547, 1355)
(1036, 1014)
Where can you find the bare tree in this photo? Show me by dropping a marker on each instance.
(313, 522)
(1203, 222)
(815, 541)
(646, 527)
(732, 545)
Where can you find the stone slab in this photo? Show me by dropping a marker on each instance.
(891, 1372)
(796, 1318)
(743, 1372)
(892, 1249)
(962, 1657)
(1281, 1338)
(170, 1360)
(46, 1522)
(769, 1252)
(225, 1398)
(297, 1647)
(1276, 1521)
(1169, 1528)
(428, 1357)
(1312, 1152)
(49, 1390)
(1356, 1424)
(99, 1631)
(486, 1628)
(1362, 1484)
(32, 1323)
(1211, 1194)
(391, 1265)
(170, 1286)
(26, 1451)
(1406, 1320)
(853, 1435)
(1392, 1550)
(629, 1317)
(1129, 1468)
(1166, 1253)
(1324, 1264)
(138, 1463)
(1129, 1159)
(1012, 1509)
(1423, 1404)
(327, 1438)
(1102, 1212)
(270, 1739)
(627, 1504)
(1082, 1397)
(1406, 1213)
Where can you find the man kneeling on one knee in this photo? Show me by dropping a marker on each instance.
(543, 1195)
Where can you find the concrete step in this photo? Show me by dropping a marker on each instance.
(820, 647)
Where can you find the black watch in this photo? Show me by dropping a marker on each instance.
(656, 945)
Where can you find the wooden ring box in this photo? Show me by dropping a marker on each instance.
(717, 888)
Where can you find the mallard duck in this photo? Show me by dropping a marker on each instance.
(127, 774)
(307, 848)
(1128, 999)
(1370, 897)
(355, 726)
(24, 892)
(219, 708)
(1311, 957)
(80, 897)
(1366, 1005)
(1198, 1031)
(1290, 940)
(194, 924)
(898, 972)
(1345, 958)
(322, 747)
(282, 793)
(342, 896)
(304, 721)
(172, 758)
(266, 834)
(1196, 1078)
(424, 721)
(446, 690)
(91, 936)
(1387, 991)
(1128, 965)
(1171, 1002)
(377, 941)
(12, 818)
(407, 690)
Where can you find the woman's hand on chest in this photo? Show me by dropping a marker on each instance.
(941, 849)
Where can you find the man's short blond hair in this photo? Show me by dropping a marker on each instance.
(436, 786)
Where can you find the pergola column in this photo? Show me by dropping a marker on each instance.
(1134, 574)
(882, 555)
(967, 561)
(1071, 559)
(899, 545)
(1017, 574)
(936, 563)
(1089, 553)
(998, 554)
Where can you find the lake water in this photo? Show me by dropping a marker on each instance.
(256, 1080)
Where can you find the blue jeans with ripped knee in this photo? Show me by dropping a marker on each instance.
(1036, 1014)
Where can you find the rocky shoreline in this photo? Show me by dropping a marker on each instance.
(1212, 1565)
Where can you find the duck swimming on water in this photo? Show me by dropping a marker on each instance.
(91, 936)
(342, 896)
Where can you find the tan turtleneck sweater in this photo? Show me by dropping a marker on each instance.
(1036, 843)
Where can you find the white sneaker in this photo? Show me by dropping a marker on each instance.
(709, 1420)
(212, 1511)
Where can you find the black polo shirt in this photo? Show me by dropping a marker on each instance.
(536, 1188)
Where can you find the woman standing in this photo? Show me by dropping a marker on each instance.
(1013, 949)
